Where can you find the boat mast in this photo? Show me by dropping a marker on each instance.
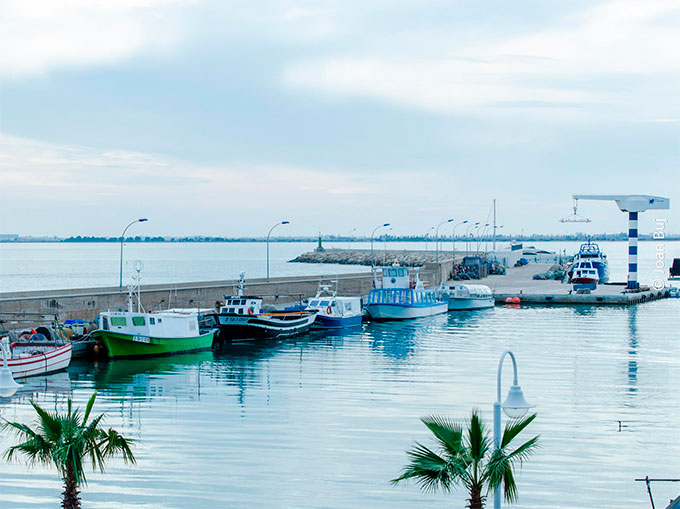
(494, 224)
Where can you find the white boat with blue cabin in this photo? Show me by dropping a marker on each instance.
(463, 296)
(397, 298)
(590, 252)
(333, 311)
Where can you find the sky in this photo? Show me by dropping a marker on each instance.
(225, 117)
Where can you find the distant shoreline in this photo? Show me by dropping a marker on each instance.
(12, 239)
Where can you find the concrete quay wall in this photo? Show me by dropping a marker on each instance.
(87, 303)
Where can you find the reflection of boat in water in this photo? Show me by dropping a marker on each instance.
(55, 383)
(124, 371)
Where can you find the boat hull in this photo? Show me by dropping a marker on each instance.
(263, 326)
(402, 312)
(50, 361)
(463, 304)
(336, 322)
(122, 345)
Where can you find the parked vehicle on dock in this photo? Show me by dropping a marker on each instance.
(396, 297)
(464, 296)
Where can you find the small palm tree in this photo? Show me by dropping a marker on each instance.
(467, 457)
(67, 441)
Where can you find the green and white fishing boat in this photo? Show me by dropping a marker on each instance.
(131, 334)
(141, 334)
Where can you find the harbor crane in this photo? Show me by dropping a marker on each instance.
(633, 204)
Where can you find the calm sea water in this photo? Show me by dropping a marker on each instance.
(323, 420)
(44, 266)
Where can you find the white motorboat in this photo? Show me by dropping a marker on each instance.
(333, 311)
(464, 296)
(398, 298)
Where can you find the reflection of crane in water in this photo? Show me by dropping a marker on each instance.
(633, 204)
(632, 351)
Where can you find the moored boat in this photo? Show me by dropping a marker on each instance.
(333, 311)
(400, 299)
(584, 273)
(242, 317)
(464, 296)
(590, 252)
(138, 334)
(29, 358)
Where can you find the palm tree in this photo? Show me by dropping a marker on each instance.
(467, 457)
(67, 441)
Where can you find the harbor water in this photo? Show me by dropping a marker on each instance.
(324, 420)
(47, 266)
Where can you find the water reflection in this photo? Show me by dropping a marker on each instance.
(633, 349)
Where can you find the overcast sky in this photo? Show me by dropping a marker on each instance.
(224, 117)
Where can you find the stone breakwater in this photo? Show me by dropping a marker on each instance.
(363, 257)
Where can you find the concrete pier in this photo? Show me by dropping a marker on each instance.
(519, 282)
(87, 303)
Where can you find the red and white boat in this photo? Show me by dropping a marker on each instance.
(585, 273)
(28, 358)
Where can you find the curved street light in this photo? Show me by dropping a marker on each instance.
(349, 238)
(427, 233)
(372, 235)
(268, 235)
(481, 235)
(514, 406)
(494, 235)
(122, 239)
(453, 239)
(467, 237)
(436, 236)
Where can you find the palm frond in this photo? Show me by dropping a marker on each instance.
(116, 443)
(524, 451)
(88, 408)
(514, 428)
(449, 433)
(478, 437)
(50, 423)
(427, 468)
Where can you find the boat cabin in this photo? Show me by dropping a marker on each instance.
(241, 305)
(585, 271)
(158, 325)
(397, 288)
(467, 291)
(336, 306)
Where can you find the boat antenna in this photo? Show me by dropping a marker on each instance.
(241, 284)
(575, 218)
(138, 265)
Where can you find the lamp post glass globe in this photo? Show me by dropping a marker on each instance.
(515, 406)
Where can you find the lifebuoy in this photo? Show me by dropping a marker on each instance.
(251, 311)
(329, 310)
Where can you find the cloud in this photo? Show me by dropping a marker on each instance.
(41, 35)
(583, 63)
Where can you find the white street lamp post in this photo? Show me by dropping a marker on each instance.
(514, 406)
(349, 238)
(373, 235)
(436, 236)
(8, 387)
(467, 237)
(427, 233)
(268, 235)
(122, 239)
(453, 239)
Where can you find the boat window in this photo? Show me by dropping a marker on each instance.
(392, 272)
(160, 320)
(138, 320)
(152, 321)
(314, 303)
(118, 321)
(324, 303)
(105, 323)
(240, 311)
(230, 310)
